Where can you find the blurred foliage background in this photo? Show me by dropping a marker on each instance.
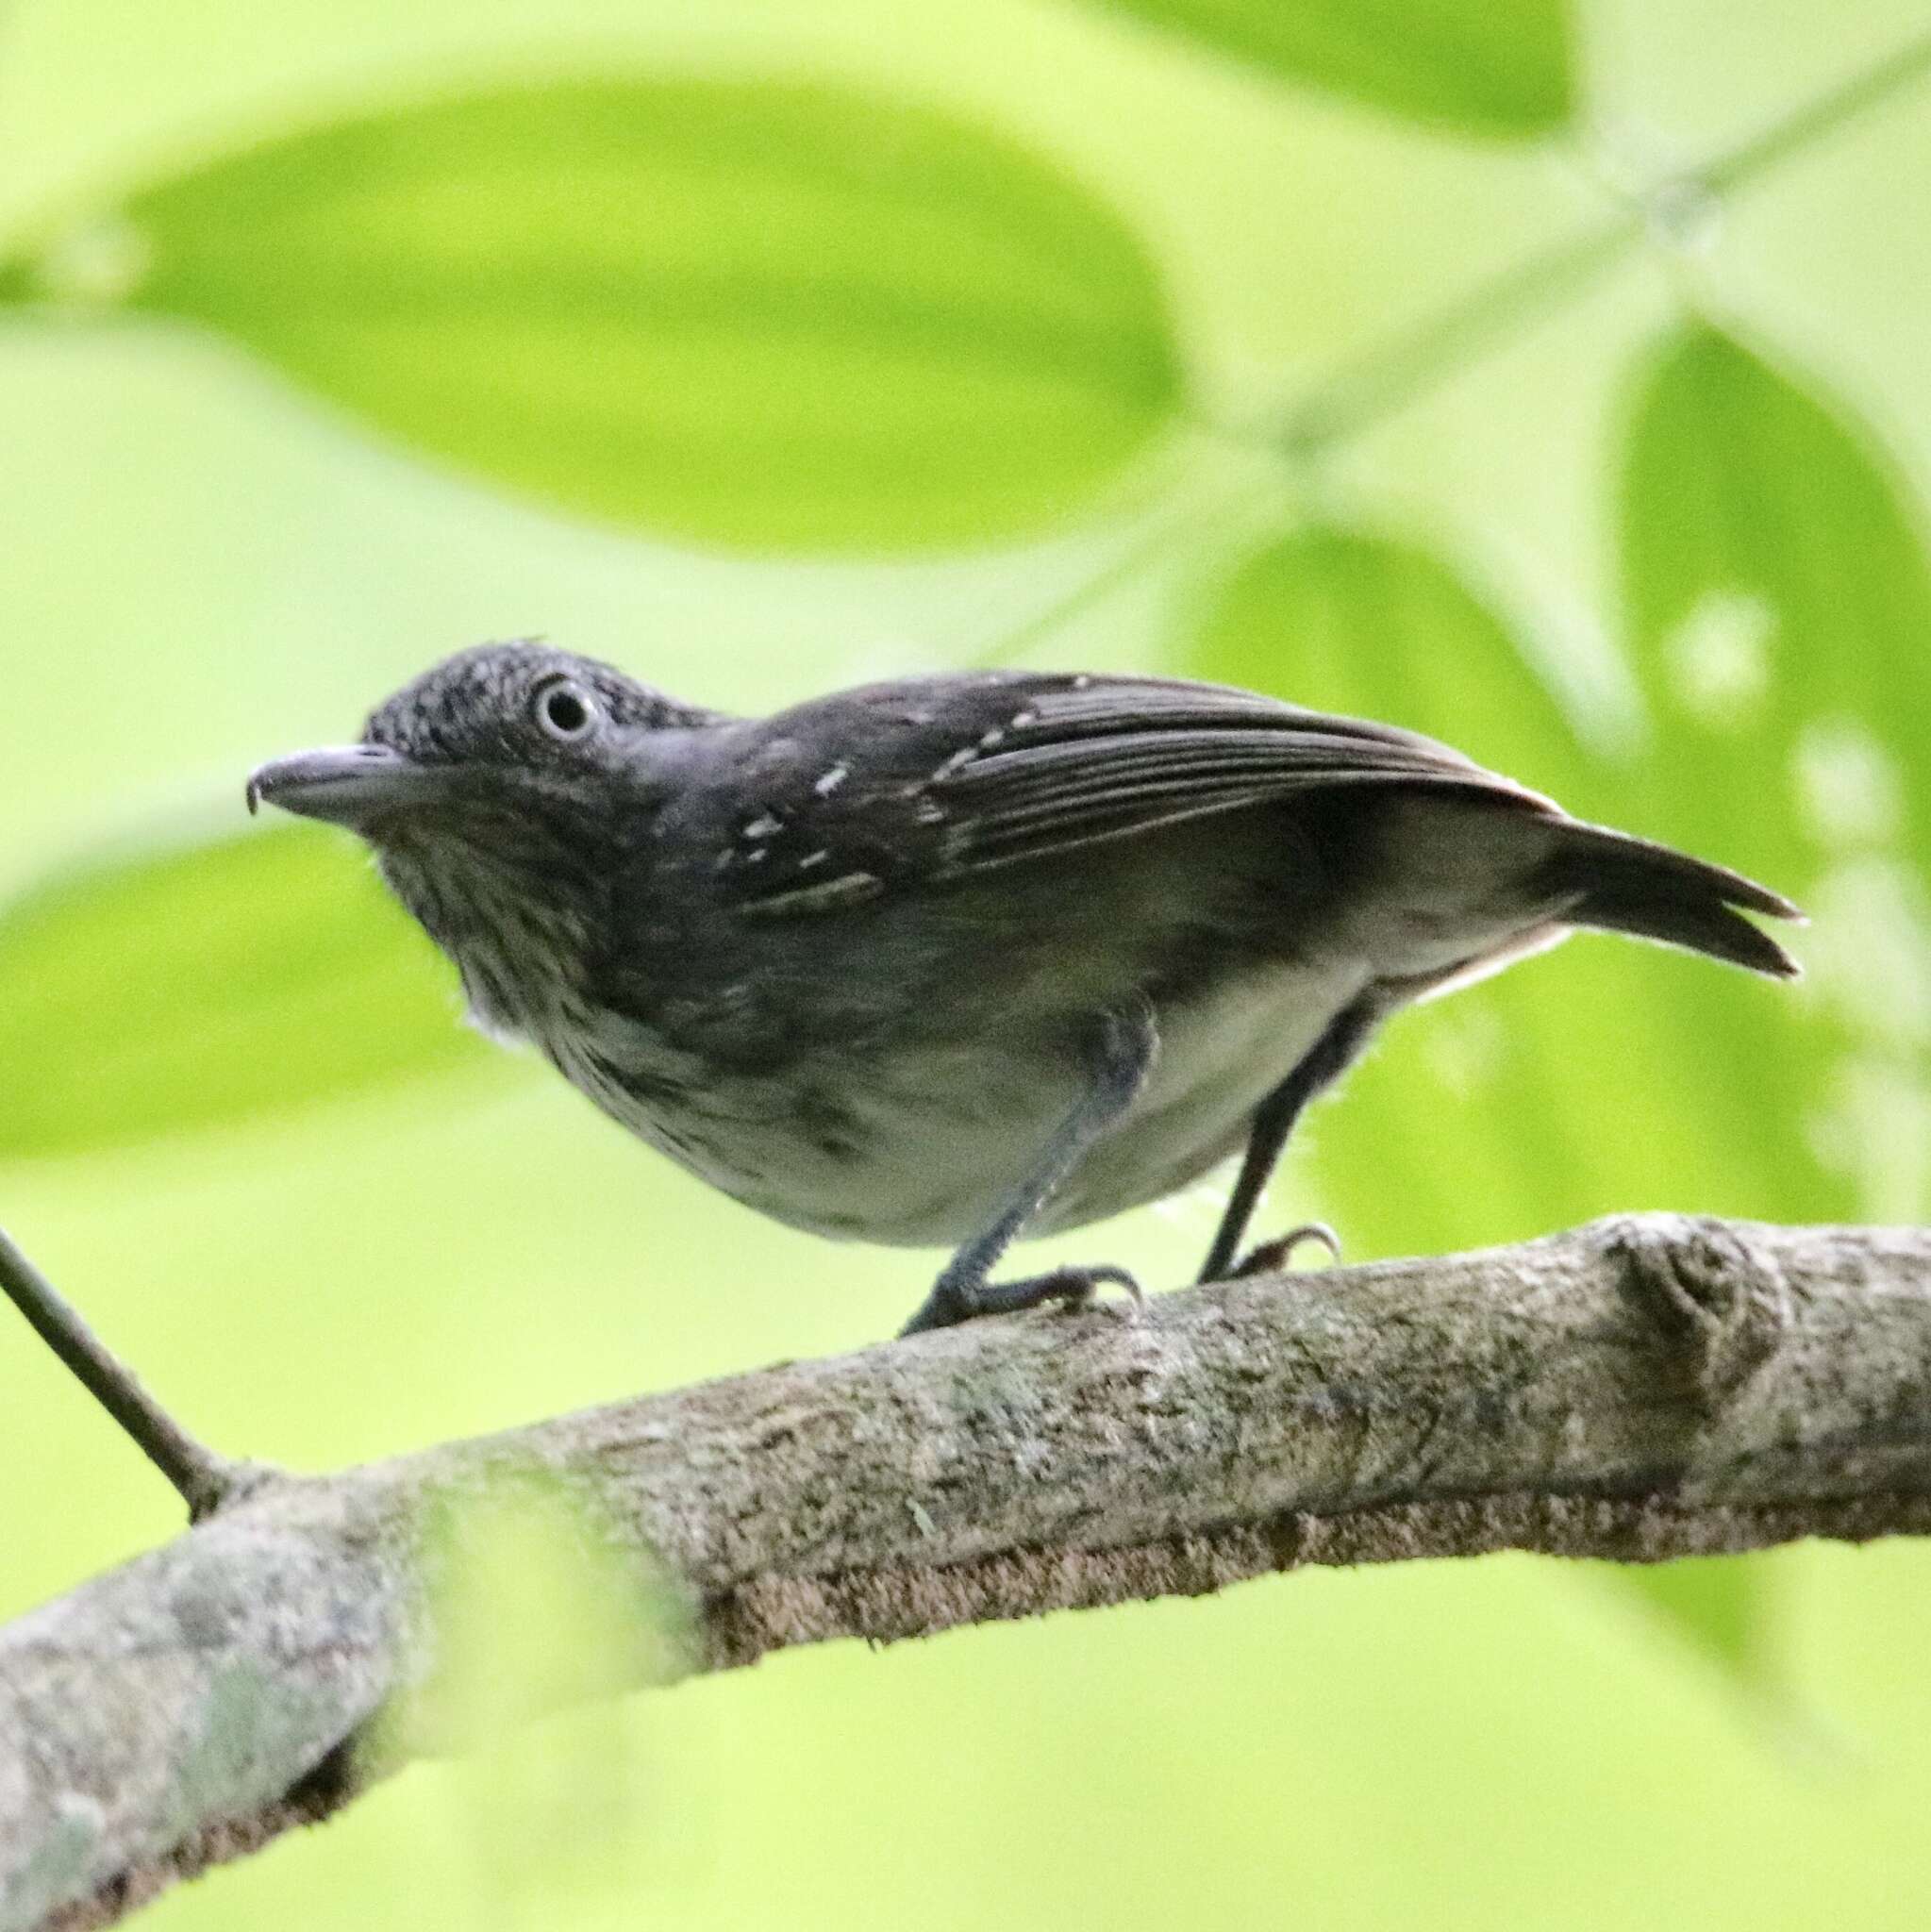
(1551, 379)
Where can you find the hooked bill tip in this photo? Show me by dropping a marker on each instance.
(350, 785)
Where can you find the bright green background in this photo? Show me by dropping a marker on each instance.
(203, 568)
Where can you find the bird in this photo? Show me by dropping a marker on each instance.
(956, 958)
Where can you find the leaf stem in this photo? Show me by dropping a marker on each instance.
(1157, 538)
(1824, 114)
(204, 1479)
(1386, 379)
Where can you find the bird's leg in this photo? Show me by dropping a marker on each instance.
(1273, 1121)
(1126, 1046)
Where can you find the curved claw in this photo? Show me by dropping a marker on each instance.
(1272, 1255)
(1077, 1287)
(950, 1303)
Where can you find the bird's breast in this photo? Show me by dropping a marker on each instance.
(923, 1140)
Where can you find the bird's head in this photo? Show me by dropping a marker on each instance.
(500, 789)
(501, 729)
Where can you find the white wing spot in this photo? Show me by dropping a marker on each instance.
(832, 780)
(1022, 719)
(848, 889)
(956, 763)
(993, 738)
(763, 827)
(813, 859)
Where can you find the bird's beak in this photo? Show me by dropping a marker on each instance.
(347, 785)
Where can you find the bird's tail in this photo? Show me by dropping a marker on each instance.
(1629, 885)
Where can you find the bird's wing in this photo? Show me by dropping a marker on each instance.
(944, 778)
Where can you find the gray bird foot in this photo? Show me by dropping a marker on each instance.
(953, 1302)
(1270, 1257)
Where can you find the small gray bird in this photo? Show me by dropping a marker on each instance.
(958, 959)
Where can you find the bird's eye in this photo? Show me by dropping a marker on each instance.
(566, 711)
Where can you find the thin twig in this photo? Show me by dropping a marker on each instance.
(204, 1479)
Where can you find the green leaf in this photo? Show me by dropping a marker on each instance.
(1350, 621)
(1713, 1078)
(1369, 625)
(1372, 626)
(1604, 1077)
(145, 994)
(536, 1606)
(539, 1609)
(1479, 67)
(770, 315)
(1725, 1607)
(1779, 605)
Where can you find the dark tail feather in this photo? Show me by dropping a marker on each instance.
(1629, 885)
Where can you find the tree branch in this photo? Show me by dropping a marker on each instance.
(1643, 1387)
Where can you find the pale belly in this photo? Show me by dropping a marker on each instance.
(926, 1148)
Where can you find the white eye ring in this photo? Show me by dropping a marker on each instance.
(565, 711)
